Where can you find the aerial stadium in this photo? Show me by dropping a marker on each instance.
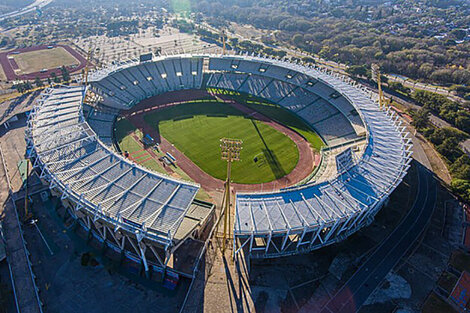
(151, 215)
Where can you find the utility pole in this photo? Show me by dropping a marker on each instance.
(230, 149)
(26, 213)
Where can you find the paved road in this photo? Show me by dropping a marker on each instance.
(26, 9)
(355, 292)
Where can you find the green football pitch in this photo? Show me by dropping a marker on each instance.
(196, 129)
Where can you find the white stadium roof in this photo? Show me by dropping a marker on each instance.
(101, 182)
(285, 222)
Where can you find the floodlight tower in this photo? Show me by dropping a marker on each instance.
(230, 149)
(376, 77)
(87, 67)
(224, 35)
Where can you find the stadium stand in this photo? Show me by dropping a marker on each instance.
(298, 99)
(254, 84)
(106, 193)
(127, 84)
(276, 90)
(317, 111)
(335, 129)
(315, 214)
(286, 85)
(101, 119)
(230, 81)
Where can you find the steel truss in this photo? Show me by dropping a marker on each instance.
(381, 124)
(46, 141)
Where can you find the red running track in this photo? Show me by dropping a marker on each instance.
(9, 65)
(307, 158)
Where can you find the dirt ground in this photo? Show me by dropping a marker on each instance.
(438, 165)
(170, 40)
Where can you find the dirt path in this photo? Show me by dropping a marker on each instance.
(305, 165)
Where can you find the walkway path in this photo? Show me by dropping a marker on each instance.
(25, 292)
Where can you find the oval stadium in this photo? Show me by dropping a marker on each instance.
(133, 152)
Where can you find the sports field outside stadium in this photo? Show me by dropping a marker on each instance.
(196, 127)
(39, 61)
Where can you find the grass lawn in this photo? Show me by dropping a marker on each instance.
(34, 61)
(124, 131)
(196, 129)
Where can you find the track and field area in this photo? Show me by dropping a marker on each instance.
(29, 63)
(196, 129)
(129, 139)
(34, 61)
(150, 117)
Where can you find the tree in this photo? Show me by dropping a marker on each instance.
(461, 187)
(463, 121)
(397, 86)
(298, 40)
(54, 77)
(357, 70)
(421, 118)
(233, 41)
(459, 34)
(448, 148)
(38, 82)
(461, 167)
(65, 73)
(19, 87)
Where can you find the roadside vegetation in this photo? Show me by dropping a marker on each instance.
(422, 40)
(446, 141)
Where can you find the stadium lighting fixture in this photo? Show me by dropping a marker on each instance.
(376, 77)
(230, 149)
